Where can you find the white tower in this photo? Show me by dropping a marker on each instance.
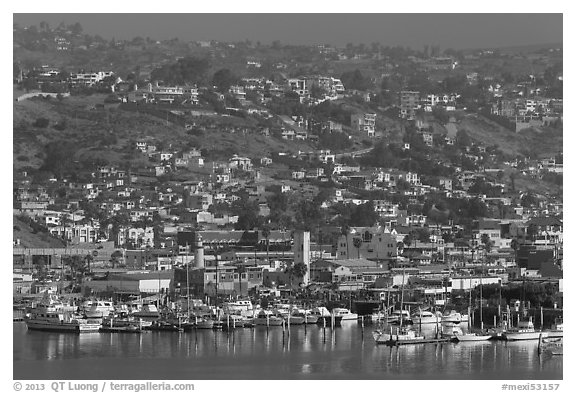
(198, 252)
(302, 252)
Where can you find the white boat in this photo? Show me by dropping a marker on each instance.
(239, 307)
(61, 321)
(451, 317)
(471, 336)
(404, 336)
(524, 331)
(267, 318)
(423, 317)
(97, 308)
(345, 314)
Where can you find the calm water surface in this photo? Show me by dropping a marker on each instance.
(348, 352)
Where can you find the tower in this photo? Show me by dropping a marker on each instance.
(198, 252)
(302, 252)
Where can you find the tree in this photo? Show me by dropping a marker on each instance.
(266, 234)
(462, 138)
(300, 269)
(355, 80)
(357, 244)
(223, 79)
(514, 246)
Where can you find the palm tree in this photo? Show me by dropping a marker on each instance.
(241, 269)
(514, 246)
(266, 234)
(299, 270)
(357, 244)
(290, 272)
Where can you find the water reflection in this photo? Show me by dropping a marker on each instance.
(309, 352)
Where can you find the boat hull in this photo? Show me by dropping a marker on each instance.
(268, 322)
(472, 337)
(555, 334)
(517, 336)
(63, 327)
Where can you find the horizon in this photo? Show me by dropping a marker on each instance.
(408, 30)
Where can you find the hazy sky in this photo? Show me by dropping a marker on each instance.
(456, 31)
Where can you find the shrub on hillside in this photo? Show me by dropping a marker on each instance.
(41, 122)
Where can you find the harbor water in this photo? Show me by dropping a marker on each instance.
(310, 352)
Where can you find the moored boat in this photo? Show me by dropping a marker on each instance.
(345, 314)
(61, 321)
(472, 336)
(97, 308)
(451, 317)
(402, 336)
(422, 317)
(164, 326)
(267, 318)
(523, 331)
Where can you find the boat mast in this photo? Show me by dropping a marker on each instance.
(470, 304)
(481, 273)
(187, 284)
(402, 298)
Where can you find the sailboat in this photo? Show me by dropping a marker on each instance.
(403, 335)
(474, 336)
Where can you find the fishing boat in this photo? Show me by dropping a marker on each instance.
(345, 314)
(523, 331)
(61, 321)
